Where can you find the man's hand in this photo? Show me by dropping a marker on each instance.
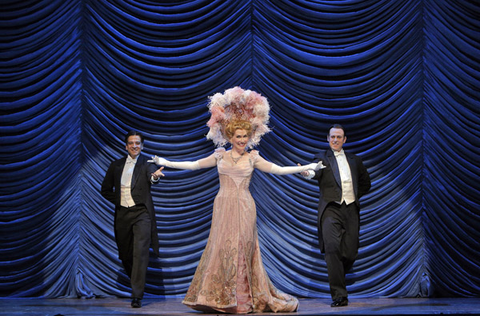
(157, 174)
(303, 173)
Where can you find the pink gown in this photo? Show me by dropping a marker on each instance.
(230, 277)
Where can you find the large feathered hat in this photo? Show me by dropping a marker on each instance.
(238, 104)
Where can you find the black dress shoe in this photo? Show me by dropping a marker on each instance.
(136, 303)
(342, 301)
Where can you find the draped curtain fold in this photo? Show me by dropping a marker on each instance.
(401, 76)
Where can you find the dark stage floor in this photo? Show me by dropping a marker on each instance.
(174, 307)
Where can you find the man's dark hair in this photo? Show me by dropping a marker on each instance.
(339, 127)
(134, 133)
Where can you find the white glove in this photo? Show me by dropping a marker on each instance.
(319, 166)
(190, 165)
(310, 173)
(289, 170)
(159, 161)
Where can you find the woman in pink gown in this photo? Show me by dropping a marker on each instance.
(230, 277)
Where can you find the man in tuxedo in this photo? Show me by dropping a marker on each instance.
(127, 185)
(342, 183)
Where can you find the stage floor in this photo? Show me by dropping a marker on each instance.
(174, 307)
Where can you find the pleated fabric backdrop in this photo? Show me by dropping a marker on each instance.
(401, 76)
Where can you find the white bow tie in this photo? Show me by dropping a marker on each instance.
(338, 153)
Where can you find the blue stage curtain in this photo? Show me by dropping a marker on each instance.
(401, 76)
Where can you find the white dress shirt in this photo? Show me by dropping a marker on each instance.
(348, 196)
(126, 199)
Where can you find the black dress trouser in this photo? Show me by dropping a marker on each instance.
(132, 231)
(340, 230)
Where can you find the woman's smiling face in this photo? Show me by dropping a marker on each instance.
(239, 140)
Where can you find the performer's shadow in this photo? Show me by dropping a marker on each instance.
(123, 284)
(154, 282)
(155, 277)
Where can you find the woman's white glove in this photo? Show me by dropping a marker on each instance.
(289, 170)
(189, 165)
(320, 166)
